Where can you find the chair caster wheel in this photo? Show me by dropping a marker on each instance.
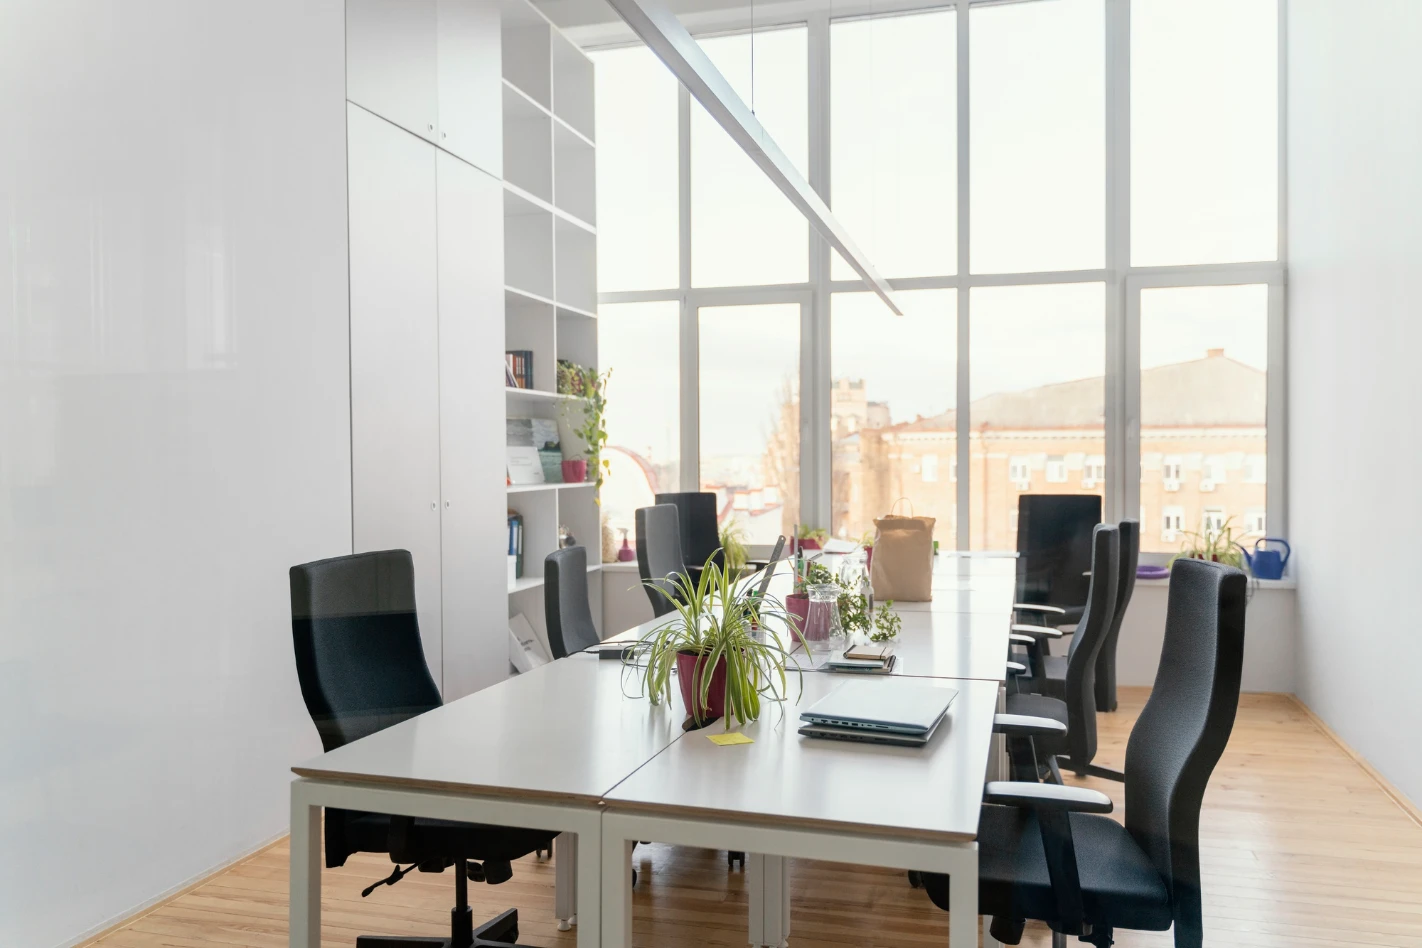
(565, 925)
(915, 878)
(733, 857)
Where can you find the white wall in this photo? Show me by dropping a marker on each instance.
(174, 434)
(1355, 330)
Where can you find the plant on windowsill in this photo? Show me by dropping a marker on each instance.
(733, 547)
(1216, 545)
(590, 387)
(724, 666)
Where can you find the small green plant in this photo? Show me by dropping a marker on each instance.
(807, 532)
(886, 623)
(1217, 545)
(592, 427)
(733, 544)
(718, 619)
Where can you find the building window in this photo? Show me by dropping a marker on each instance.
(1019, 472)
(1254, 521)
(1213, 521)
(1170, 472)
(1172, 523)
(1056, 469)
(1212, 473)
(1093, 472)
(928, 468)
(1256, 467)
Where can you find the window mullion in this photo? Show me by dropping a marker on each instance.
(963, 414)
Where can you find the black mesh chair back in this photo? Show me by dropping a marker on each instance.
(1125, 587)
(659, 553)
(1086, 644)
(359, 658)
(1054, 548)
(700, 532)
(1181, 733)
(567, 609)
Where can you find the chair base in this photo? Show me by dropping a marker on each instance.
(501, 931)
(735, 856)
(1094, 770)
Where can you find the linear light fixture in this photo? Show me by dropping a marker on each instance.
(664, 35)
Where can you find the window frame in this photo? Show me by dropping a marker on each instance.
(1123, 282)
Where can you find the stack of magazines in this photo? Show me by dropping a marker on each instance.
(863, 659)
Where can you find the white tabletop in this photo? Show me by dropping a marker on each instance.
(562, 732)
(783, 779)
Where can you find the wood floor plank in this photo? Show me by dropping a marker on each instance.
(1301, 848)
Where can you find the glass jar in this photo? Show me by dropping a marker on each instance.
(823, 630)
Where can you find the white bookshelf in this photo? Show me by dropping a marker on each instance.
(550, 271)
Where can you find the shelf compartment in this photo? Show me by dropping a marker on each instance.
(574, 175)
(528, 246)
(530, 324)
(528, 145)
(576, 259)
(526, 38)
(576, 338)
(573, 96)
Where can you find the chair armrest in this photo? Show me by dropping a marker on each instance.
(1017, 638)
(1046, 796)
(1026, 725)
(1037, 631)
(1016, 668)
(1038, 607)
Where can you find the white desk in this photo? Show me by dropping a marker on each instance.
(789, 796)
(540, 750)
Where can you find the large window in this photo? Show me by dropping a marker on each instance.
(1204, 396)
(893, 134)
(638, 343)
(750, 415)
(743, 230)
(1037, 363)
(1080, 218)
(893, 430)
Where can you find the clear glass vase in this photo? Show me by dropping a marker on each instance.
(824, 632)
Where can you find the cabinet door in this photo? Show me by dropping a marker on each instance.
(395, 355)
(391, 61)
(471, 379)
(470, 83)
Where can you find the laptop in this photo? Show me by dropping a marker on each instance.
(861, 735)
(904, 707)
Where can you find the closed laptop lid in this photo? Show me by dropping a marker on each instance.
(901, 705)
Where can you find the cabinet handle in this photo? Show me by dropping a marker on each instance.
(431, 127)
(433, 505)
(443, 135)
(446, 505)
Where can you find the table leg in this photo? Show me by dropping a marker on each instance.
(616, 892)
(768, 895)
(588, 849)
(305, 907)
(963, 904)
(565, 880)
(755, 899)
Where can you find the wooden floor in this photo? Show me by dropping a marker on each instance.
(1301, 848)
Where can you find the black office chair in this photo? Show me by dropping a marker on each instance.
(1053, 554)
(659, 553)
(1054, 667)
(700, 531)
(567, 609)
(1044, 854)
(362, 669)
(1077, 706)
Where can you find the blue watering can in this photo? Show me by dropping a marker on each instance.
(1265, 563)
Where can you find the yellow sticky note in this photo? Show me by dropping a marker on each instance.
(734, 737)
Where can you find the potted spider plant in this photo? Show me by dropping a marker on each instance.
(723, 664)
(1215, 545)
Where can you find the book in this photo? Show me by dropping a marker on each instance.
(873, 653)
(519, 363)
(550, 452)
(521, 457)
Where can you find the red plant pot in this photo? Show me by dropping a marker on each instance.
(689, 667)
(797, 608)
(575, 472)
(809, 543)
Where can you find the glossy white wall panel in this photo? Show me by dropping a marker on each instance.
(471, 377)
(391, 61)
(395, 355)
(174, 434)
(471, 82)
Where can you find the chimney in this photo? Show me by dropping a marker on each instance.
(1214, 353)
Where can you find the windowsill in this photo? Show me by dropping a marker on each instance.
(629, 567)
(1288, 582)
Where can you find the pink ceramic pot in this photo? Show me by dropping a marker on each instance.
(689, 670)
(575, 472)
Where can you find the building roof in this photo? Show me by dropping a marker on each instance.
(1215, 391)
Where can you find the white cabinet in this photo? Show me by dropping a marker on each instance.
(471, 382)
(395, 397)
(433, 67)
(470, 84)
(391, 57)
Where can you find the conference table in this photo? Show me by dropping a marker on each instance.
(573, 747)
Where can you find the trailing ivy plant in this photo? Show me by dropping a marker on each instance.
(592, 428)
